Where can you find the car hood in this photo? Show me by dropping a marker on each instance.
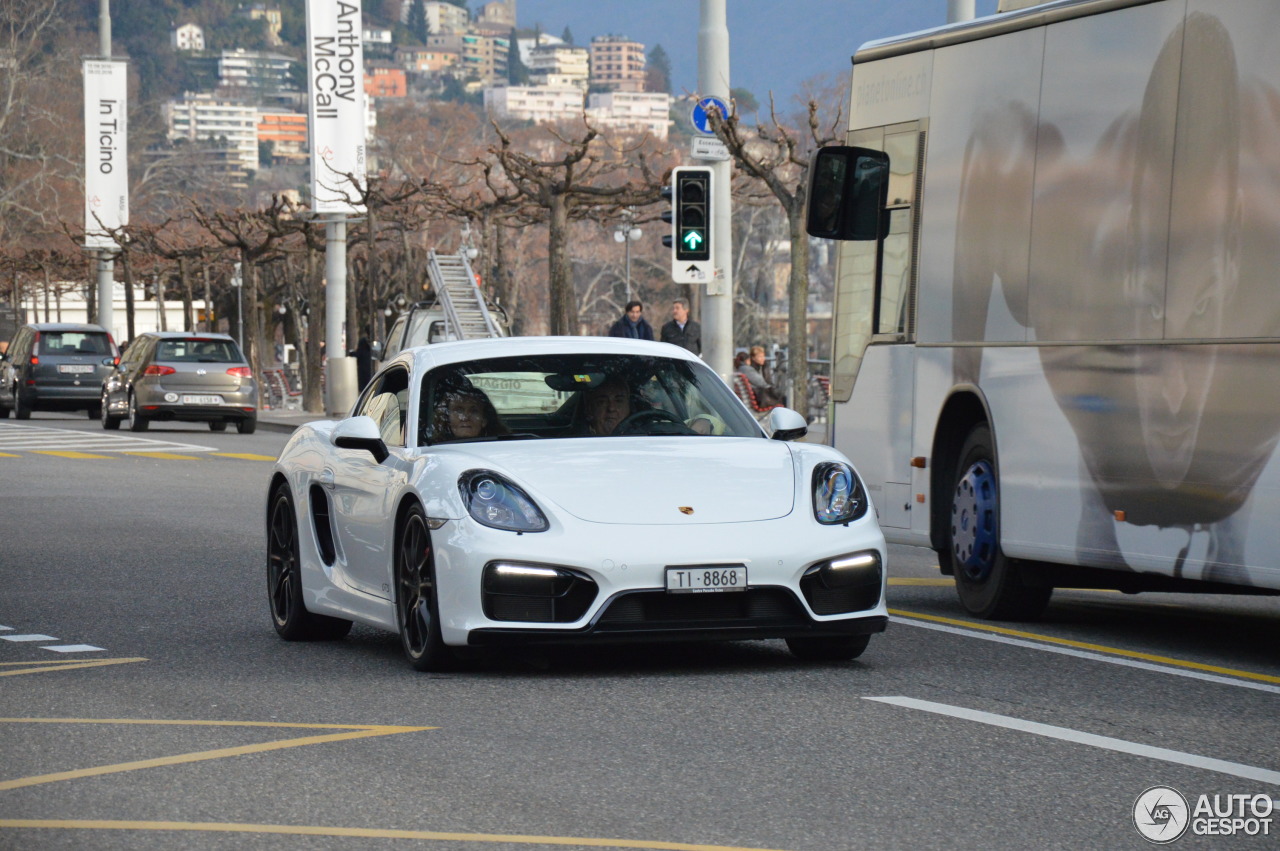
(648, 480)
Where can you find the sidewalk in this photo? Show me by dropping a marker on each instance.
(282, 420)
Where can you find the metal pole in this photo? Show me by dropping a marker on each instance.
(106, 263)
(628, 241)
(959, 10)
(717, 307)
(340, 370)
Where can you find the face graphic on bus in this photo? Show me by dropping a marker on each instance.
(1185, 298)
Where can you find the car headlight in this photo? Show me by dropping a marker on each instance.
(837, 494)
(496, 502)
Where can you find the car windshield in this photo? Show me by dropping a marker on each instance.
(577, 395)
(198, 350)
(74, 343)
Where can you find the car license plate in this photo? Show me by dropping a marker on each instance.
(75, 368)
(706, 580)
(202, 400)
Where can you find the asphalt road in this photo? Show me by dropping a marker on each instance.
(192, 725)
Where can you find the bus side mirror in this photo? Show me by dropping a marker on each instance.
(847, 192)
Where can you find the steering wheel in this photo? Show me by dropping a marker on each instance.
(654, 415)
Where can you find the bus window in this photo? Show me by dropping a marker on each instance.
(897, 266)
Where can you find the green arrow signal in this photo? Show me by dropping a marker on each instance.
(692, 240)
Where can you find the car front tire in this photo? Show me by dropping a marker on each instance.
(990, 585)
(284, 578)
(247, 426)
(21, 411)
(109, 422)
(417, 604)
(137, 422)
(838, 648)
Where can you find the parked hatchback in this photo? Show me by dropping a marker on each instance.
(55, 366)
(172, 375)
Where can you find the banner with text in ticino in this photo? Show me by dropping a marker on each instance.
(106, 152)
(335, 113)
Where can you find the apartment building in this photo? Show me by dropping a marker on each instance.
(232, 123)
(534, 103)
(287, 133)
(384, 80)
(631, 112)
(187, 37)
(617, 64)
(559, 65)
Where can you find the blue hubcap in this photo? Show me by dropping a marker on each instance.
(974, 533)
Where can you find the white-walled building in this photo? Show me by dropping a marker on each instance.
(534, 103)
(204, 116)
(187, 37)
(441, 17)
(559, 65)
(640, 112)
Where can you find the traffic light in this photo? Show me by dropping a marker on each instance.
(690, 218)
(692, 190)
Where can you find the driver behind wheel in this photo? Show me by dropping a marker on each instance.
(607, 406)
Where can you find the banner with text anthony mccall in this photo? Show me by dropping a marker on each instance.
(106, 154)
(335, 75)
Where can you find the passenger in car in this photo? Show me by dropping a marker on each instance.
(465, 411)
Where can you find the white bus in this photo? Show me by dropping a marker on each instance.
(1056, 354)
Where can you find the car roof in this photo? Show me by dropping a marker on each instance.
(65, 326)
(187, 335)
(439, 354)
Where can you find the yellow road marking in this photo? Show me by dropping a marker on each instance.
(66, 453)
(43, 666)
(356, 732)
(368, 833)
(244, 456)
(168, 456)
(1097, 648)
(910, 581)
(9, 455)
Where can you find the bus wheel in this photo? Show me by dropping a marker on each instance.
(990, 584)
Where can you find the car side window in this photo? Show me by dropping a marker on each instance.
(387, 403)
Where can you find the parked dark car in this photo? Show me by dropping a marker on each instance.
(55, 366)
(173, 375)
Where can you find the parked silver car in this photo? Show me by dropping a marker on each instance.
(172, 375)
(55, 366)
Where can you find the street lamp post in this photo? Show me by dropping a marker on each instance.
(628, 233)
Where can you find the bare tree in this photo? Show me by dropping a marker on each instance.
(589, 179)
(778, 156)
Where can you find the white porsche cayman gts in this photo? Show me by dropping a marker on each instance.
(543, 489)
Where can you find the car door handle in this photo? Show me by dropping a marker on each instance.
(326, 478)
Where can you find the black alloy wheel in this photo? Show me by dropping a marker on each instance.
(990, 584)
(837, 648)
(417, 606)
(284, 579)
(137, 422)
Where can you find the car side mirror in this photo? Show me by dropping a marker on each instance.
(360, 433)
(786, 424)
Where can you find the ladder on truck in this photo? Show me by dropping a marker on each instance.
(466, 315)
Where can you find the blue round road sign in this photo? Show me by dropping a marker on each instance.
(700, 108)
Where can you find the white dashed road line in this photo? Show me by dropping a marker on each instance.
(38, 438)
(56, 648)
(70, 648)
(27, 638)
(1066, 734)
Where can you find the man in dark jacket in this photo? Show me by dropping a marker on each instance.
(682, 330)
(632, 324)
